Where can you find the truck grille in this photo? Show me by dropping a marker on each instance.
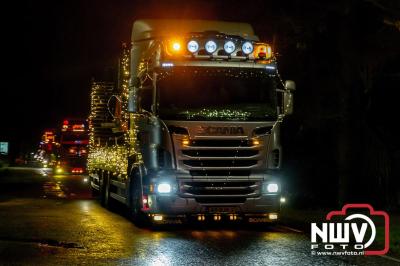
(220, 157)
(220, 163)
(220, 143)
(220, 173)
(211, 189)
(220, 153)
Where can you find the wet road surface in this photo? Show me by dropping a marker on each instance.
(52, 220)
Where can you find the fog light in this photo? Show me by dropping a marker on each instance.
(164, 188)
(158, 217)
(272, 188)
(273, 216)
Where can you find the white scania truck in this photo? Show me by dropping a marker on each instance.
(192, 129)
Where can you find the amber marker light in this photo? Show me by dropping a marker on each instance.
(174, 47)
(263, 51)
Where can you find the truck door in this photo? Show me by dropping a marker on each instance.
(147, 127)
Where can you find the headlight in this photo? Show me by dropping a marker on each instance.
(59, 170)
(272, 188)
(164, 188)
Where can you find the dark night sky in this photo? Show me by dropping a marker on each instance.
(54, 48)
(342, 54)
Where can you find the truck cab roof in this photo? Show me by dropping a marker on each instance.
(153, 28)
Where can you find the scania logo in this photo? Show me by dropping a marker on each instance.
(220, 130)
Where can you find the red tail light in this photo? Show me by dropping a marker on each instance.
(77, 170)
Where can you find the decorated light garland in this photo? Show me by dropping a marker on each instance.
(104, 153)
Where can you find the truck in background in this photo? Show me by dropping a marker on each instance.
(73, 147)
(48, 148)
(191, 129)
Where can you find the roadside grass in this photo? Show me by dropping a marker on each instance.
(302, 219)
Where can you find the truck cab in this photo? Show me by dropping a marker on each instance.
(199, 125)
(73, 147)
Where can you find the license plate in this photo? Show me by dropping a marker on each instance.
(221, 209)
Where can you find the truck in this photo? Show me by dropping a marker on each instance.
(191, 128)
(48, 148)
(72, 149)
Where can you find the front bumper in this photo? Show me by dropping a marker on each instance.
(174, 205)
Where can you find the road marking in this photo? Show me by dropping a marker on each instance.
(390, 258)
(291, 229)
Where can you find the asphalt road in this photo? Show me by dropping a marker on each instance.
(52, 220)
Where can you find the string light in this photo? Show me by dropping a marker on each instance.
(103, 152)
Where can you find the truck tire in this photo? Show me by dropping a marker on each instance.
(138, 217)
(107, 201)
(95, 192)
(105, 190)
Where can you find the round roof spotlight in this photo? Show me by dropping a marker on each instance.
(247, 48)
(229, 47)
(193, 46)
(211, 47)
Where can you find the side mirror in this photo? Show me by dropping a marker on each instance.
(290, 86)
(132, 102)
(132, 95)
(287, 103)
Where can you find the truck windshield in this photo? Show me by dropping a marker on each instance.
(223, 94)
